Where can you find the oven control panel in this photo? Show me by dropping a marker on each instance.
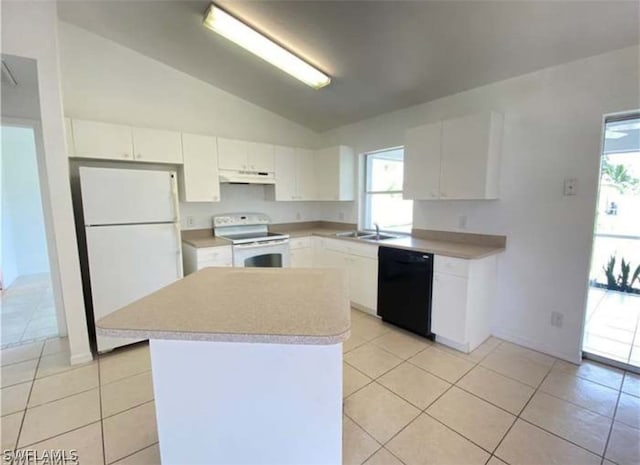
(244, 219)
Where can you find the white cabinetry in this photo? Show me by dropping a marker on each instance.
(454, 159)
(240, 155)
(157, 146)
(334, 172)
(301, 252)
(463, 295)
(196, 258)
(360, 261)
(199, 173)
(93, 139)
(295, 176)
(422, 162)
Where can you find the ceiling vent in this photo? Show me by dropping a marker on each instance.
(7, 76)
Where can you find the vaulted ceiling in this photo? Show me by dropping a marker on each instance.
(382, 55)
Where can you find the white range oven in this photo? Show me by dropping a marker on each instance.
(251, 242)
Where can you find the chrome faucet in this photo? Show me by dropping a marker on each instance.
(377, 226)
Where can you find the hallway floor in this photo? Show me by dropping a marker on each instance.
(613, 319)
(27, 311)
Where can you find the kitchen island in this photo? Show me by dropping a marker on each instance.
(247, 364)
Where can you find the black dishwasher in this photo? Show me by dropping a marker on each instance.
(404, 289)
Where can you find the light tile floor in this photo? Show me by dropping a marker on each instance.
(612, 327)
(27, 311)
(407, 401)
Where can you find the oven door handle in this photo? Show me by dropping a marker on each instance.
(259, 245)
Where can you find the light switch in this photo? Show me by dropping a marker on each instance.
(570, 186)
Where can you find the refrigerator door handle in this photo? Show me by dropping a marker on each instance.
(174, 195)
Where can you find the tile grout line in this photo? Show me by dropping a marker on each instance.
(132, 453)
(613, 421)
(424, 411)
(104, 449)
(24, 412)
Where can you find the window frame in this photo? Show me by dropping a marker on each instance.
(367, 194)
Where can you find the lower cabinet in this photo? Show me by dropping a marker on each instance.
(196, 258)
(463, 295)
(361, 264)
(301, 252)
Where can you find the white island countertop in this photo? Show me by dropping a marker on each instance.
(263, 305)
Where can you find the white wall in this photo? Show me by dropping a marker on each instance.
(41, 44)
(553, 123)
(25, 251)
(124, 86)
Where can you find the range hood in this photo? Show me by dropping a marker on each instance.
(246, 177)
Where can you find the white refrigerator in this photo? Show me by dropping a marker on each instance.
(133, 237)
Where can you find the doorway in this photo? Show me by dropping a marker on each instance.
(27, 308)
(612, 328)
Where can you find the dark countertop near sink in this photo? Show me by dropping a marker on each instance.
(446, 243)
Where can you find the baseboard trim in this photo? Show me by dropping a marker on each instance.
(81, 358)
(535, 345)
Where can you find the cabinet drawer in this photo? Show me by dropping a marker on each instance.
(352, 247)
(300, 243)
(216, 254)
(450, 265)
(214, 263)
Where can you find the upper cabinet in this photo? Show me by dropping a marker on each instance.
(454, 159)
(335, 173)
(156, 145)
(422, 162)
(304, 174)
(294, 170)
(199, 173)
(306, 182)
(261, 157)
(93, 139)
(240, 155)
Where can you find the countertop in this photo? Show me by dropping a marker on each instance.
(435, 242)
(266, 305)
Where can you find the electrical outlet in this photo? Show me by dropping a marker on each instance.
(462, 222)
(298, 216)
(191, 221)
(557, 319)
(570, 186)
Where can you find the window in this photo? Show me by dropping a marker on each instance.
(383, 202)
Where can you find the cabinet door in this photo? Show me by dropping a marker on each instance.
(260, 157)
(469, 146)
(305, 174)
(199, 175)
(232, 154)
(285, 172)
(68, 136)
(422, 162)
(327, 170)
(156, 145)
(363, 281)
(301, 258)
(449, 307)
(93, 139)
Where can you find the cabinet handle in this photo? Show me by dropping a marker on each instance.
(443, 194)
(139, 155)
(215, 197)
(125, 155)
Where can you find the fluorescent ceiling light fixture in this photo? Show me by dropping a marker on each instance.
(236, 31)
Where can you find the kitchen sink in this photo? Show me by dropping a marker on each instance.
(356, 234)
(379, 237)
(365, 235)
